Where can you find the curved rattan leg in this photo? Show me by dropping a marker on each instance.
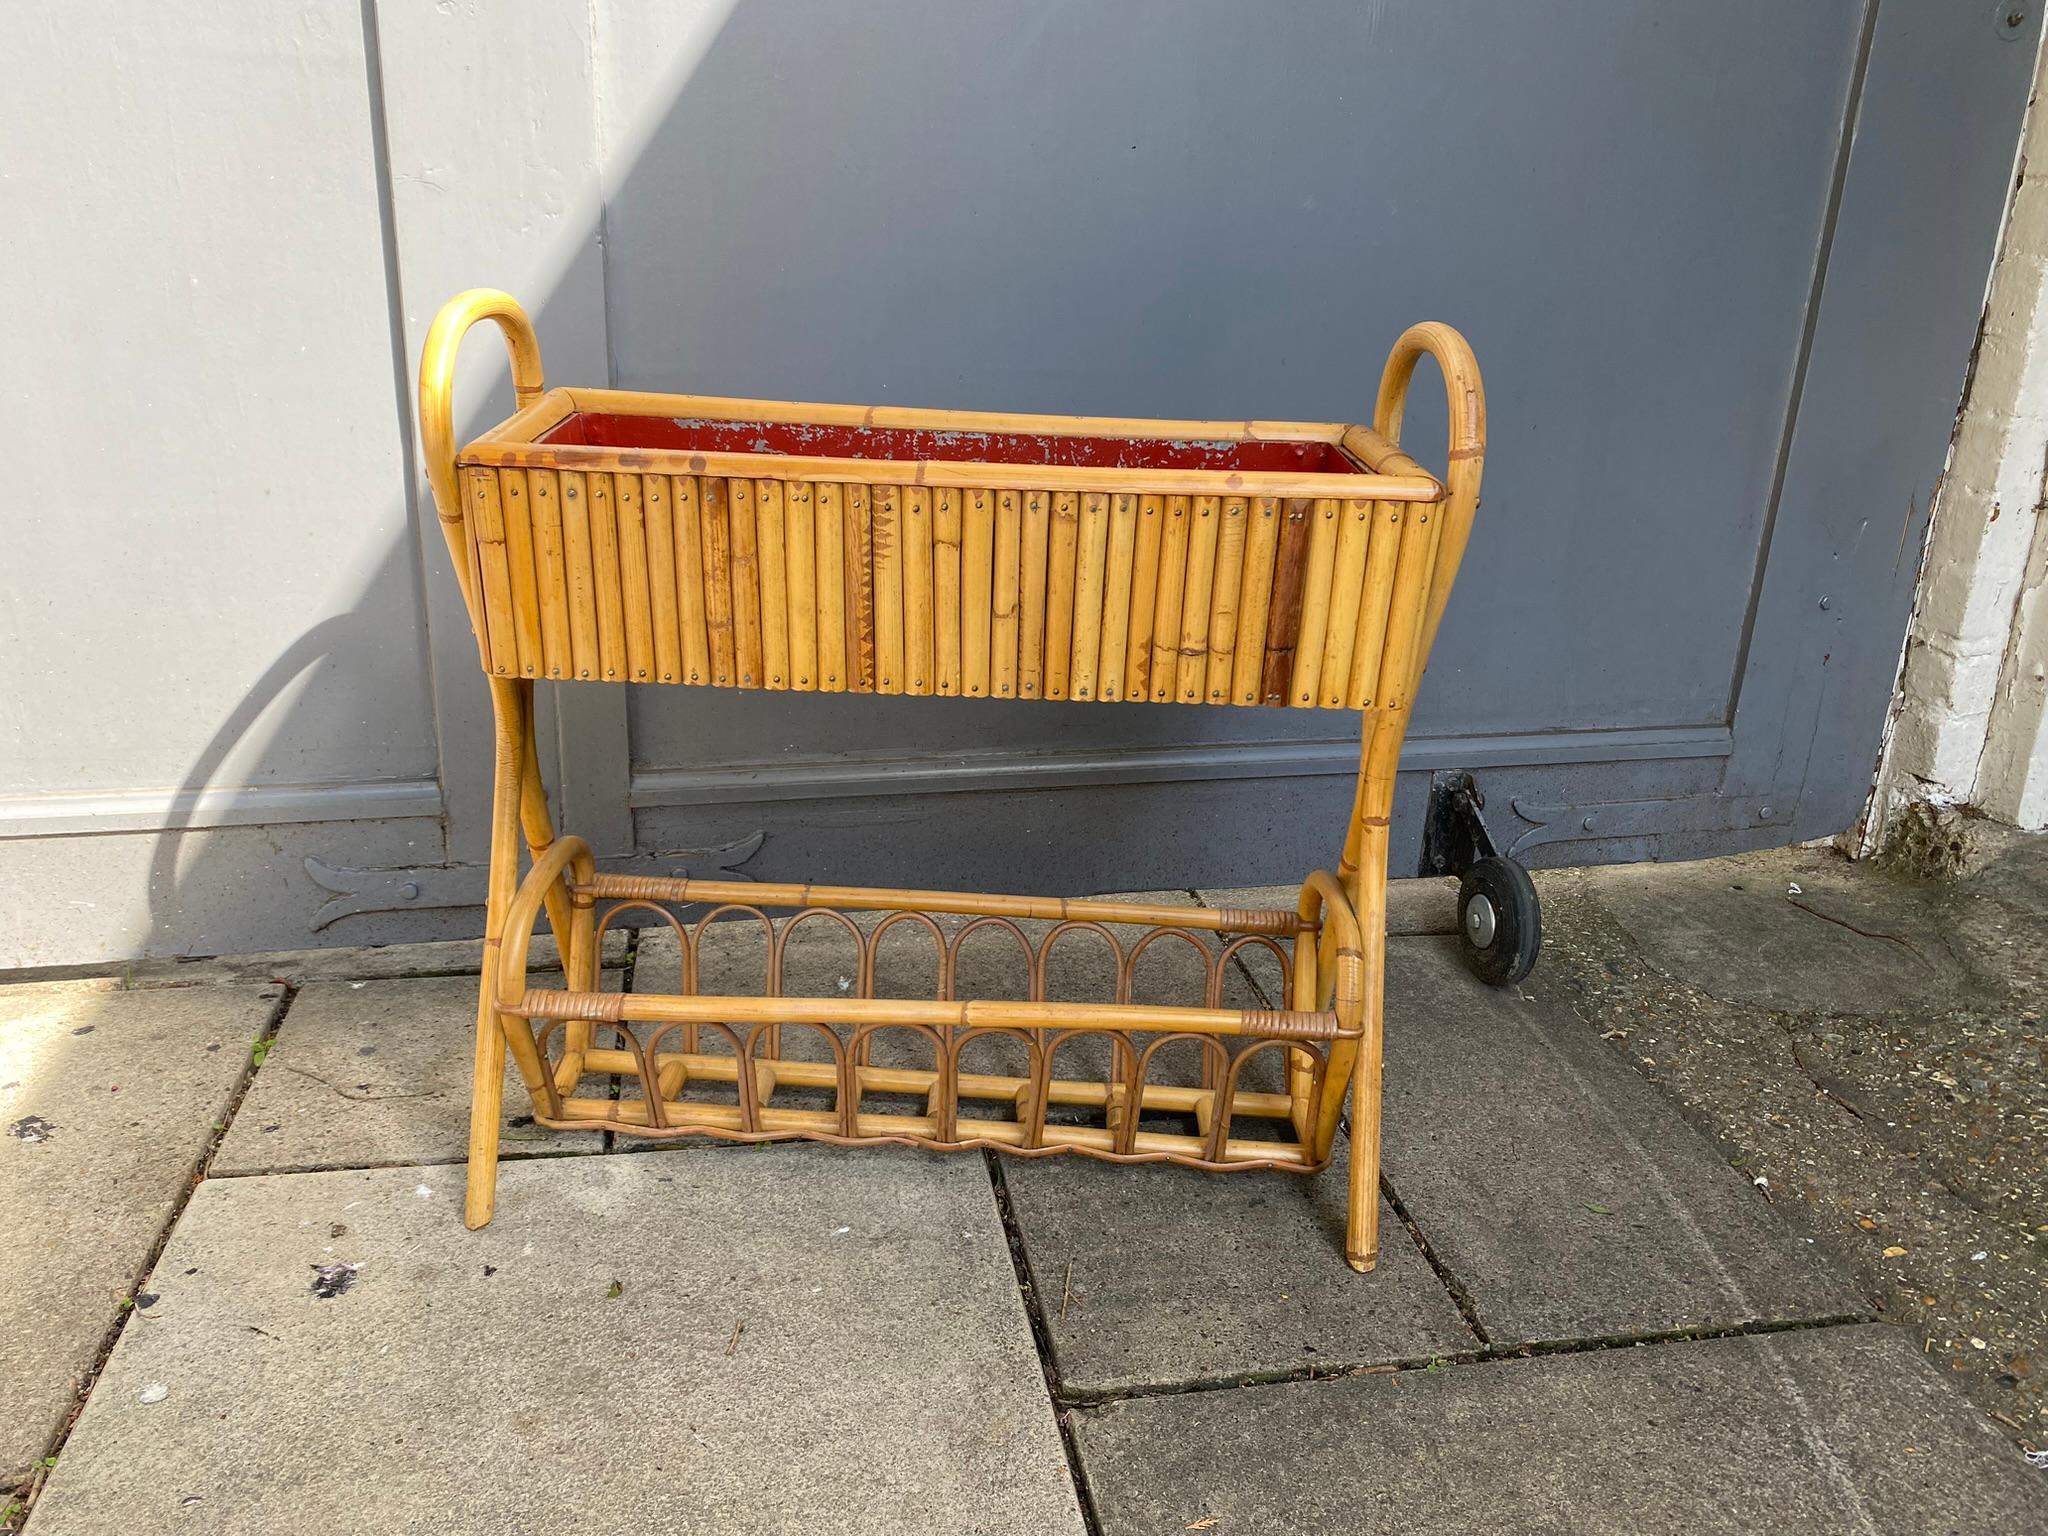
(1362, 1225)
(511, 702)
(1365, 874)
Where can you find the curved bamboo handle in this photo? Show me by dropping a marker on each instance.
(437, 406)
(1465, 396)
(1364, 861)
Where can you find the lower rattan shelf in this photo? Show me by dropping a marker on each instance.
(893, 1052)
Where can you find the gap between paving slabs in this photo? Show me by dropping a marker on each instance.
(19, 1496)
(1226, 1283)
(203, 984)
(840, 1347)
(1169, 1279)
(1398, 1220)
(1777, 1090)
(1832, 1429)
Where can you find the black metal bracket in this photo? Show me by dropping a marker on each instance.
(1454, 835)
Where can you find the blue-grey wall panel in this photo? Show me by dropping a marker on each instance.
(1222, 209)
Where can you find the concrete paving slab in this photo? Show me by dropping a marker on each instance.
(1790, 929)
(107, 1101)
(1564, 1194)
(370, 962)
(1834, 1429)
(784, 1340)
(1165, 1277)
(1912, 1143)
(373, 1073)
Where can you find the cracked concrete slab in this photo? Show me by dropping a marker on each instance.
(1907, 1139)
(1565, 1196)
(370, 1073)
(107, 1101)
(1832, 1429)
(1793, 928)
(1164, 1276)
(783, 1340)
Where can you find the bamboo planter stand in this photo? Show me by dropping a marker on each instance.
(611, 536)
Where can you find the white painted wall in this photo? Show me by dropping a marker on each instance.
(198, 371)
(1970, 722)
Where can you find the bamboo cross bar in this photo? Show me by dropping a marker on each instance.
(618, 536)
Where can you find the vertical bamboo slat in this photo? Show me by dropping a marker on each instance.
(583, 644)
(1144, 597)
(746, 582)
(1306, 680)
(977, 586)
(494, 576)
(1223, 601)
(688, 654)
(1173, 570)
(829, 514)
(1347, 582)
(860, 588)
(605, 499)
(714, 494)
(1191, 666)
(946, 615)
(1407, 610)
(886, 504)
(640, 586)
(1255, 599)
(1003, 594)
(1061, 551)
(800, 557)
(551, 572)
(1373, 603)
(1283, 622)
(637, 581)
(515, 505)
(1091, 555)
(1036, 561)
(919, 664)
(1116, 596)
(772, 560)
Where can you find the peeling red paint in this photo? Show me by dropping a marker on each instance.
(923, 445)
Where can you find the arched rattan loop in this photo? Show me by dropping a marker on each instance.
(1001, 925)
(1119, 962)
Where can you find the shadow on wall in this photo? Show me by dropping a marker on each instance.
(855, 344)
(1154, 209)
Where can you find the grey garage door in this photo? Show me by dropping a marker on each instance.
(1722, 264)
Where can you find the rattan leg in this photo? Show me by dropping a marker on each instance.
(1362, 1227)
(1364, 872)
(511, 703)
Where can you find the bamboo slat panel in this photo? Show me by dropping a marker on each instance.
(854, 587)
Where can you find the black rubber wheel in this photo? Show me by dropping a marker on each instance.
(1499, 925)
